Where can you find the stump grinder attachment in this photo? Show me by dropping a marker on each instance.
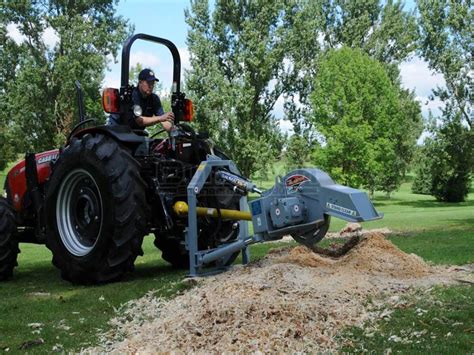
(300, 204)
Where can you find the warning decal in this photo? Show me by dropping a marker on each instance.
(293, 182)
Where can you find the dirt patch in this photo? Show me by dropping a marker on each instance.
(291, 301)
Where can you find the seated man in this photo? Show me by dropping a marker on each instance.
(147, 108)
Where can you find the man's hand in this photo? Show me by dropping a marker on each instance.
(167, 117)
(166, 120)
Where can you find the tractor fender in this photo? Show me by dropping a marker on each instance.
(15, 183)
(121, 133)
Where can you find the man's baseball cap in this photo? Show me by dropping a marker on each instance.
(148, 75)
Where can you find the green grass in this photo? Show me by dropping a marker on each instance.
(38, 295)
(440, 322)
(71, 315)
(3, 175)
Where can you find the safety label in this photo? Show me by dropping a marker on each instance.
(293, 182)
(341, 209)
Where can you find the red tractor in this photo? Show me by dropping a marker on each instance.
(93, 200)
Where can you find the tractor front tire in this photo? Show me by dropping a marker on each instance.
(8, 243)
(96, 211)
(173, 252)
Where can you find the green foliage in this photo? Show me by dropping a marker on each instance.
(451, 166)
(446, 44)
(9, 57)
(423, 179)
(133, 74)
(39, 96)
(297, 152)
(444, 167)
(369, 125)
(236, 53)
(383, 30)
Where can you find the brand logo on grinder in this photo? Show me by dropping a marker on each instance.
(293, 182)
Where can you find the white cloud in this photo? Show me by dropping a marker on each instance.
(14, 33)
(426, 104)
(286, 126)
(423, 136)
(146, 59)
(278, 110)
(416, 75)
(50, 37)
(111, 80)
(185, 59)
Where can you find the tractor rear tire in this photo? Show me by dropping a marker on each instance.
(96, 211)
(8, 243)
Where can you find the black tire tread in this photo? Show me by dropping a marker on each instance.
(127, 190)
(8, 242)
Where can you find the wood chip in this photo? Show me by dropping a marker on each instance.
(293, 300)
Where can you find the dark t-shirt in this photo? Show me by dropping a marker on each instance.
(151, 105)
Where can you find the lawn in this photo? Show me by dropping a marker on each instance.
(37, 304)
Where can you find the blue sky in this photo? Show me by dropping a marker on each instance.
(161, 18)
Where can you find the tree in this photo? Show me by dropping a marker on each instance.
(422, 168)
(383, 30)
(369, 127)
(297, 152)
(446, 29)
(9, 59)
(237, 55)
(450, 163)
(40, 99)
(446, 44)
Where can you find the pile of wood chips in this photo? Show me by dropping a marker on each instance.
(292, 301)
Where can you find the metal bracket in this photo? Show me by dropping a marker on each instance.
(197, 258)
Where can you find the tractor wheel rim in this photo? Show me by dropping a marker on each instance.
(79, 212)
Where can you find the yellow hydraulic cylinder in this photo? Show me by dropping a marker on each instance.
(181, 209)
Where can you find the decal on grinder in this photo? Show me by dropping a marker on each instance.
(293, 182)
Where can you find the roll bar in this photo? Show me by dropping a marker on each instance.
(170, 45)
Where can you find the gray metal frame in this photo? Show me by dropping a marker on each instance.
(296, 205)
(198, 258)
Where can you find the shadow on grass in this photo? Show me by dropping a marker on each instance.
(44, 275)
(468, 222)
(421, 203)
(433, 203)
(154, 271)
